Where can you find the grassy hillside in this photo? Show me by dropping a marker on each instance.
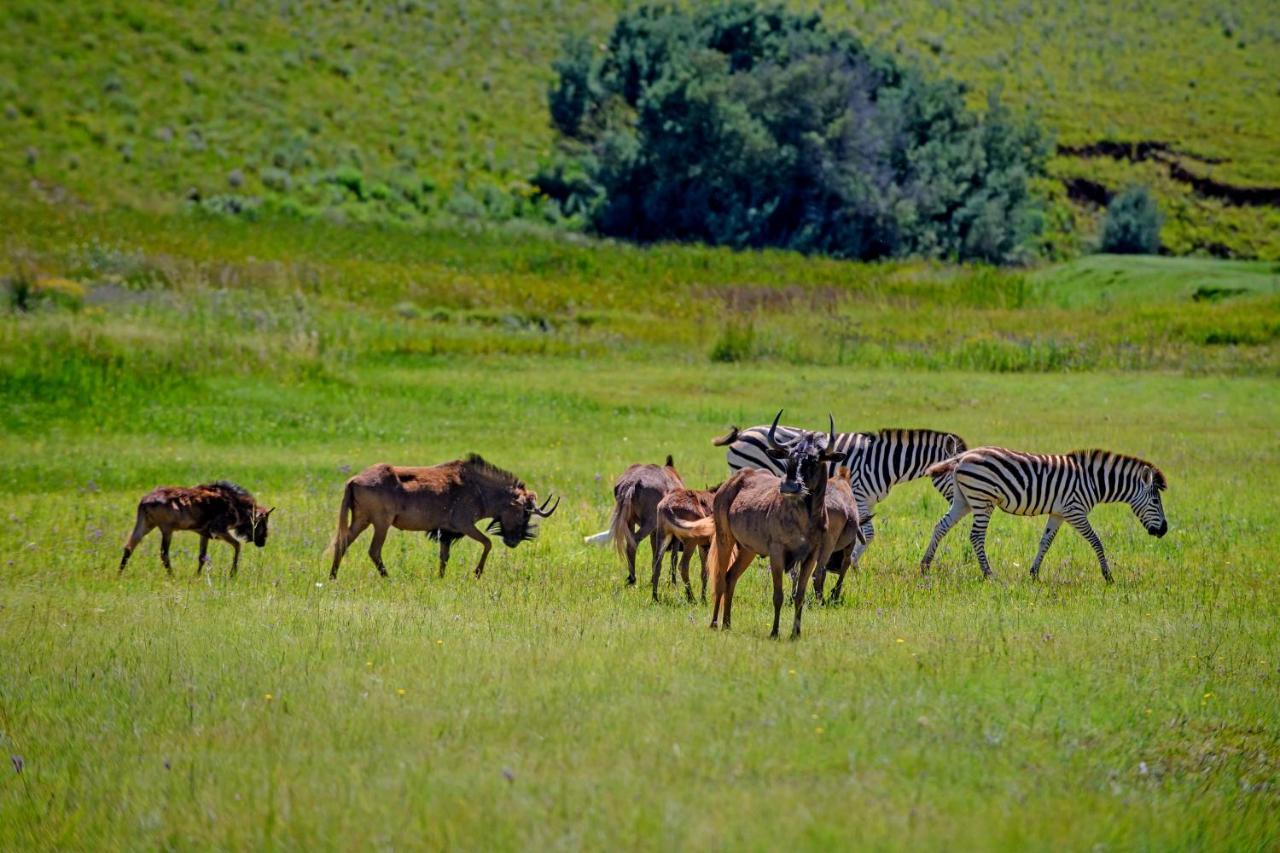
(401, 110)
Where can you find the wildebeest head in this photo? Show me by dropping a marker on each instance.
(255, 527)
(515, 522)
(804, 458)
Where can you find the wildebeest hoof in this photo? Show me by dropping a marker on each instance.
(631, 581)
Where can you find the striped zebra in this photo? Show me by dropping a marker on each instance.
(877, 461)
(1064, 486)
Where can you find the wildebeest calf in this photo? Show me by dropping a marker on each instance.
(684, 505)
(218, 510)
(635, 510)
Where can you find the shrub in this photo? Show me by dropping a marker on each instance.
(749, 126)
(1132, 224)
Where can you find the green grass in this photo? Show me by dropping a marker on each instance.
(417, 110)
(545, 704)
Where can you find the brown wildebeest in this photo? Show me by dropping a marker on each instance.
(444, 500)
(687, 505)
(635, 510)
(846, 529)
(218, 510)
(786, 518)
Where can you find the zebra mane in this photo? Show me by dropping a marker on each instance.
(923, 433)
(477, 463)
(1099, 456)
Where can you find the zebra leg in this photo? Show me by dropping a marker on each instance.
(978, 537)
(868, 533)
(1050, 531)
(1081, 524)
(959, 509)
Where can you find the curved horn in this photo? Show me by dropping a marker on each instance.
(831, 441)
(773, 442)
(543, 511)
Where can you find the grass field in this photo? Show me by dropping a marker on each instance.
(413, 110)
(546, 704)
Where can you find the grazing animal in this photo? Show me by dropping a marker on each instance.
(220, 510)
(1064, 486)
(684, 505)
(636, 495)
(877, 461)
(785, 518)
(845, 531)
(444, 500)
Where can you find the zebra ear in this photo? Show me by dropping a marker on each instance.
(1148, 476)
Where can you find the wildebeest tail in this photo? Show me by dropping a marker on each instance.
(723, 545)
(344, 516)
(728, 438)
(619, 526)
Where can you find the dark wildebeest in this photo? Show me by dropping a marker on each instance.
(635, 510)
(218, 510)
(444, 500)
(786, 518)
(687, 505)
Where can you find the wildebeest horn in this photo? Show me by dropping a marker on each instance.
(831, 442)
(773, 442)
(543, 511)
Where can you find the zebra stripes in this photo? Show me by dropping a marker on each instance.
(1066, 487)
(877, 461)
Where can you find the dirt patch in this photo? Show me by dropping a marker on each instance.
(1172, 159)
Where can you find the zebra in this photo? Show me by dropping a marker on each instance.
(1064, 486)
(877, 461)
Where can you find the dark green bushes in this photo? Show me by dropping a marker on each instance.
(1132, 224)
(749, 126)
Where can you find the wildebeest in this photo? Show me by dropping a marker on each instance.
(636, 495)
(443, 500)
(684, 505)
(756, 512)
(219, 510)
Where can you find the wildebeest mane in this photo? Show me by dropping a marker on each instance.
(477, 463)
(239, 493)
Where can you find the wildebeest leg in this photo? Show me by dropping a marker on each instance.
(475, 534)
(358, 525)
(845, 560)
(660, 544)
(739, 566)
(702, 558)
(677, 550)
(375, 547)
(806, 570)
(641, 532)
(778, 567)
(166, 537)
(203, 557)
(685, 558)
(141, 528)
(959, 509)
(235, 545)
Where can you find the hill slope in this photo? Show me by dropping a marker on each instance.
(404, 109)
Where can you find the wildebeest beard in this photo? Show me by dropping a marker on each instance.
(527, 533)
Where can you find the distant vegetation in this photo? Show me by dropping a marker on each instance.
(430, 109)
(1132, 224)
(746, 125)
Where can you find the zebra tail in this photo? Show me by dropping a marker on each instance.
(728, 438)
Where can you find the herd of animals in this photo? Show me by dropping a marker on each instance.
(802, 499)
